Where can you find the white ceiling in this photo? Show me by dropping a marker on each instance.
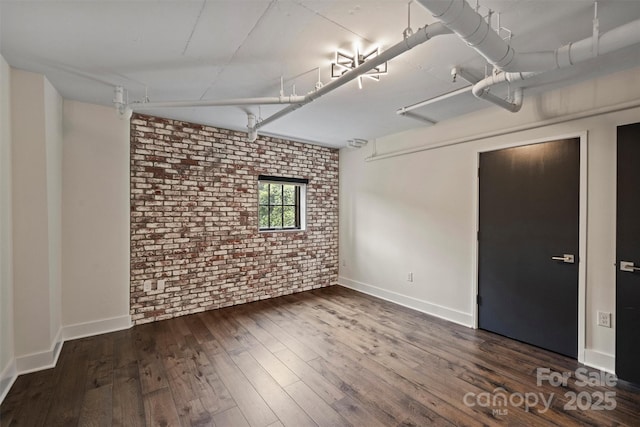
(216, 49)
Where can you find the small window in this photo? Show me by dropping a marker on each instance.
(281, 203)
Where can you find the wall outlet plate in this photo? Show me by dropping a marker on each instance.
(604, 319)
(147, 285)
(410, 277)
(161, 284)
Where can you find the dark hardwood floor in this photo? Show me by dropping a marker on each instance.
(330, 357)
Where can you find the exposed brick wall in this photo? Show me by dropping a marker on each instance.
(194, 219)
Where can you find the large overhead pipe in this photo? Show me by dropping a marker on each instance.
(565, 56)
(422, 35)
(481, 89)
(460, 18)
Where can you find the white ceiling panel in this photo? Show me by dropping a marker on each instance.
(215, 49)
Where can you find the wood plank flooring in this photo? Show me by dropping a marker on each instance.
(330, 357)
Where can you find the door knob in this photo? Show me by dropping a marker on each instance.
(568, 258)
(628, 266)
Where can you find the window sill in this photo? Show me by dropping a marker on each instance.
(283, 230)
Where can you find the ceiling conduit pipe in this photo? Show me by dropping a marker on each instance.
(407, 113)
(402, 111)
(565, 56)
(460, 18)
(469, 25)
(572, 53)
(219, 103)
(422, 35)
(455, 72)
(481, 89)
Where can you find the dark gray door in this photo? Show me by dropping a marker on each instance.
(528, 244)
(628, 255)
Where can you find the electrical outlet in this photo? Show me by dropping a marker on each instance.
(344, 262)
(410, 277)
(604, 319)
(161, 283)
(147, 285)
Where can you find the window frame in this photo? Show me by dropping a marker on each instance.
(300, 206)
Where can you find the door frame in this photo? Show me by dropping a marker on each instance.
(582, 228)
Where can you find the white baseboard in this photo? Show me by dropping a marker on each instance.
(47, 359)
(592, 358)
(97, 327)
(7, 378)
(603, 361)
(455, 316)
(42, 360)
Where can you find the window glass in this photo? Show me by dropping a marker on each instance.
(281, 204)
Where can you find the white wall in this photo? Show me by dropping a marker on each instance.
(35, 114)
(417, 212)
(6, 235)
(64, 222)
(95, 294)
(53, 146)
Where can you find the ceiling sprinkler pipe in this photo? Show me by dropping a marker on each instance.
(422, 35)
(433, 100)
(291, 99)
(482, 88)
(455, 72)
(469, 25)
(405, 113)
(460, 18)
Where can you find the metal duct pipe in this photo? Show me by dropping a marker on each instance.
(570, 54)
(618, 38)
(422, 35)
(565, 56)
(458, 16)
(219, 103)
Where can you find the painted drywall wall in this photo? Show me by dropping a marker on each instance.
(95, 219)
(417, 213)
(6, 234)
(53, 147)
(35, 109)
